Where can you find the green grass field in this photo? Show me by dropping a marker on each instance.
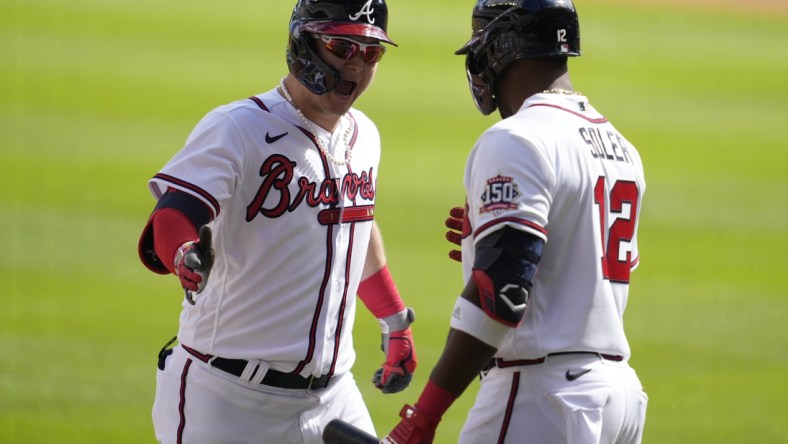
(95, 96)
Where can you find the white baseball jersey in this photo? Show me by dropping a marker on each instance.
(561, 171)
(291, 231)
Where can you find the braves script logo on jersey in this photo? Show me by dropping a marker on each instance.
(499, 194)
(277, 172)
(365, 10)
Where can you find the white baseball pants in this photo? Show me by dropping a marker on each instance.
(568, 399)
(196, 403)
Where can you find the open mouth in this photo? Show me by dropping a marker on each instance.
(345, 87)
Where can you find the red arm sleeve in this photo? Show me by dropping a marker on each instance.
(171, 229)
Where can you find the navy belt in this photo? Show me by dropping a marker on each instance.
(502, 363)
(272, 377)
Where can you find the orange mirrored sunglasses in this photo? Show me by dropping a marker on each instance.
(346, 48)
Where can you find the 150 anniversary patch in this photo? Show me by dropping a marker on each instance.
(499, 194)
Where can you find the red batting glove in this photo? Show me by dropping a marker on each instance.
(184, 268)
(455, 223)
(193, 263)
(415, 427)
(397, 371)
(418, 423)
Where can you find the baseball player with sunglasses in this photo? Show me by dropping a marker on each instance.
(548, 240)
(266, 217)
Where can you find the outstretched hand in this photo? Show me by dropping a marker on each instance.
(193, 263)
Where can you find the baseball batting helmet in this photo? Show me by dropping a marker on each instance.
(505, 31)
(361, 18)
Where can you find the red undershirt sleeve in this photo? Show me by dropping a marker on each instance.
(171, 229)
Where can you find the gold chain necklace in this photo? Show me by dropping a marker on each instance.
(311, 128)
(561, 91)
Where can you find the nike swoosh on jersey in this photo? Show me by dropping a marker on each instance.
(572, 376)
(273, 139)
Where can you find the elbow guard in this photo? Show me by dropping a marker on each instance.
(504, 269)
(191, 207)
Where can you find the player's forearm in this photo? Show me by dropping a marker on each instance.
(462, 359)
(472, 341)
(380, 295)
(377, 289)
(376, 254)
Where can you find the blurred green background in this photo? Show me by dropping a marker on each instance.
(96, 96)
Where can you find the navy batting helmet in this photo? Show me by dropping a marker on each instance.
(361, 18)
(505, 31)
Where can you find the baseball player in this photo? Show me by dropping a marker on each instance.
(266, 216)
(549, 238)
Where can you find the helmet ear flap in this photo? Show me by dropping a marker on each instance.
(481, 86)
(504, 32)
(307, 66)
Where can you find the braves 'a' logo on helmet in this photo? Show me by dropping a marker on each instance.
(365, 10)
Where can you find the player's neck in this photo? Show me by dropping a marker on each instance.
(309, 108)
(526, 78)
